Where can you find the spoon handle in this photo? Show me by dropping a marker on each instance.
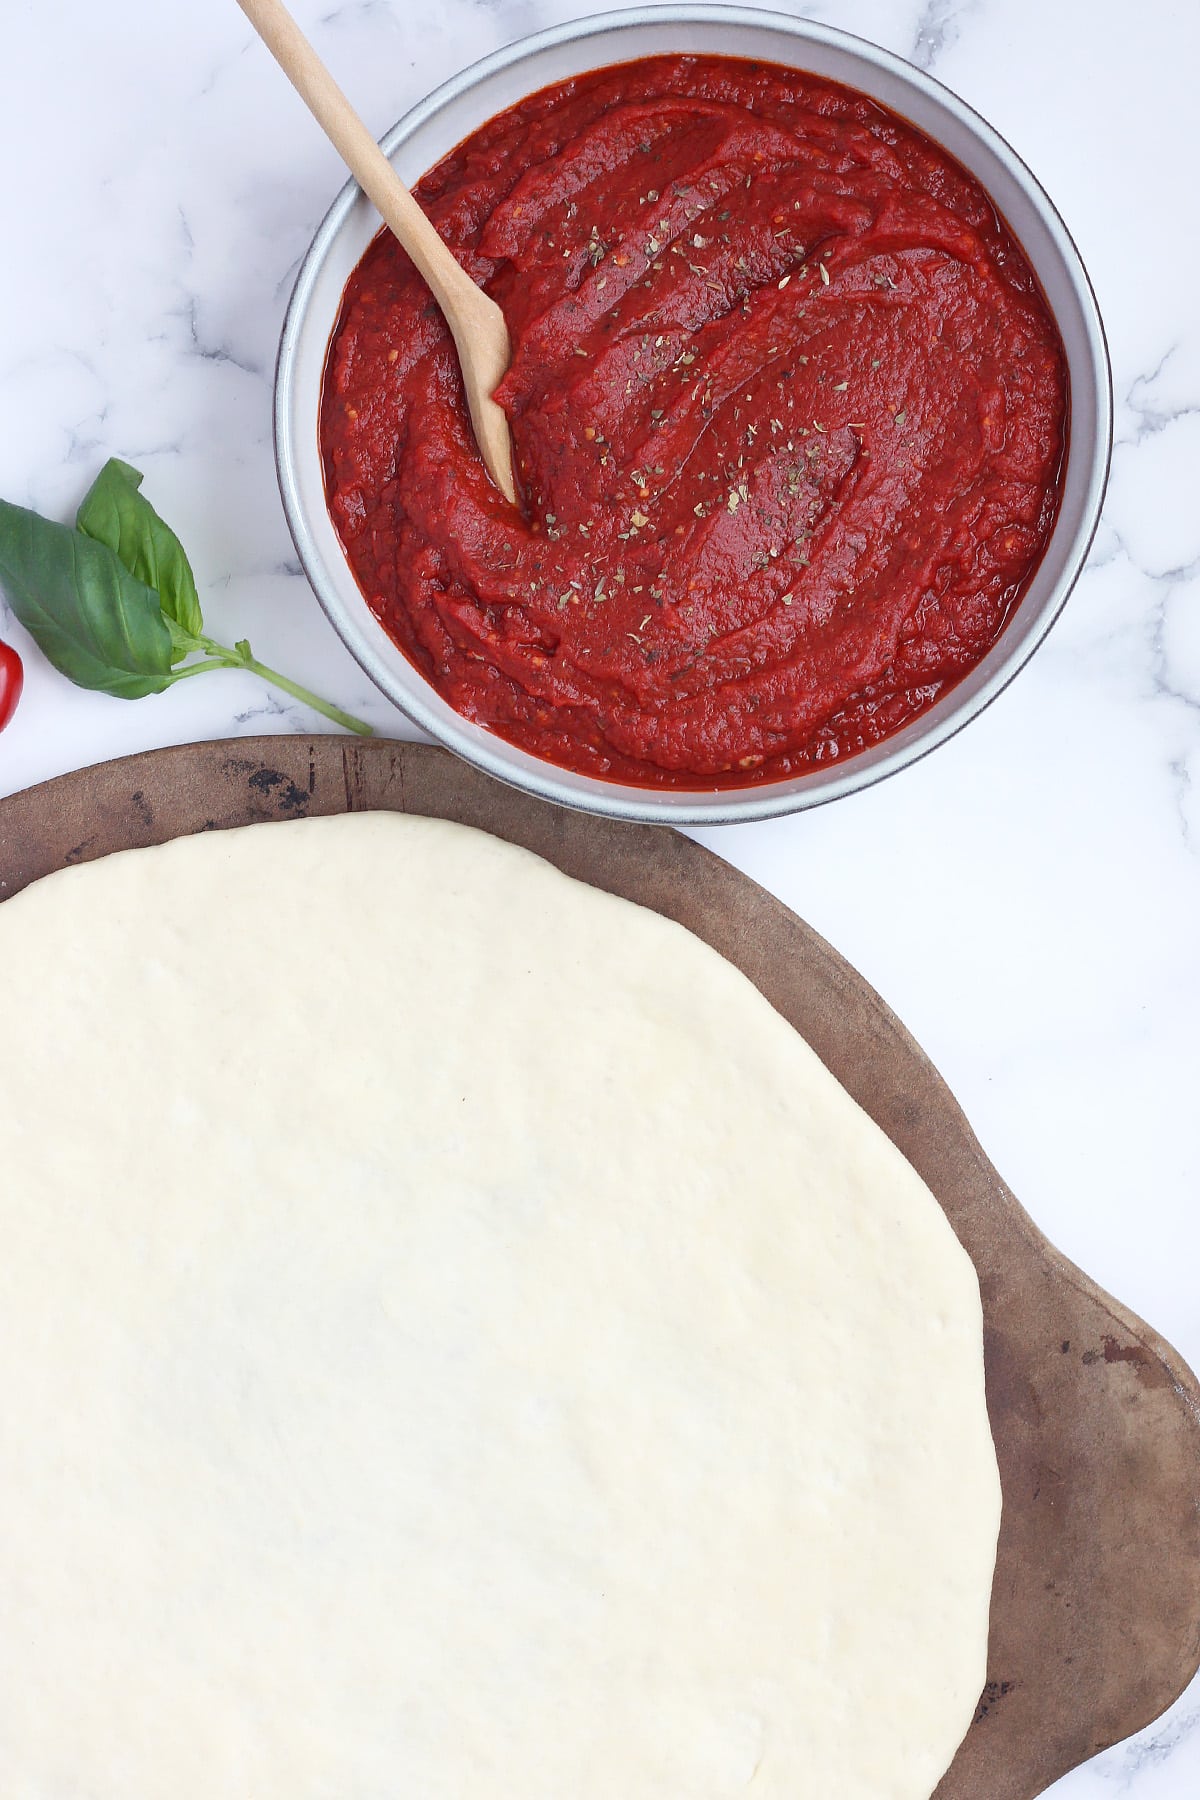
(362, 155)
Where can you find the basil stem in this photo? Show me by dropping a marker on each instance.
(217, 656)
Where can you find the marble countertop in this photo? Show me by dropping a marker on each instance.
(1028, 899)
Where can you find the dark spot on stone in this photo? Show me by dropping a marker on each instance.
(142, 807)
(1150, 1370)
(1066, 1345)
(992, 1694)
(280, 789)
(79, 851)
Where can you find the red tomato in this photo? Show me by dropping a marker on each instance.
(12, 680)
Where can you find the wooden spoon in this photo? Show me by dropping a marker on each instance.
(480, 333)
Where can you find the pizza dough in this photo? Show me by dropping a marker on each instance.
(458, 1342)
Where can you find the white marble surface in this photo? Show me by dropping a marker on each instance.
(1028, 898)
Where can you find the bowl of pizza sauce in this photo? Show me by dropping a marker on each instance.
(810, 406)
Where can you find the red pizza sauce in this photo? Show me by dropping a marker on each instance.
(788, 407)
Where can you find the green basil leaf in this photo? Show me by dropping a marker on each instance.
(115, 513)
(89, 616)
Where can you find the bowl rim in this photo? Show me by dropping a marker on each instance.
(692, 806)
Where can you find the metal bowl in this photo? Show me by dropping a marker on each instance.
(434, 127)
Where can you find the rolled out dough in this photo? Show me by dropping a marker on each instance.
(458, 1343)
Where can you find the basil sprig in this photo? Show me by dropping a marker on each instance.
(113, 604)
